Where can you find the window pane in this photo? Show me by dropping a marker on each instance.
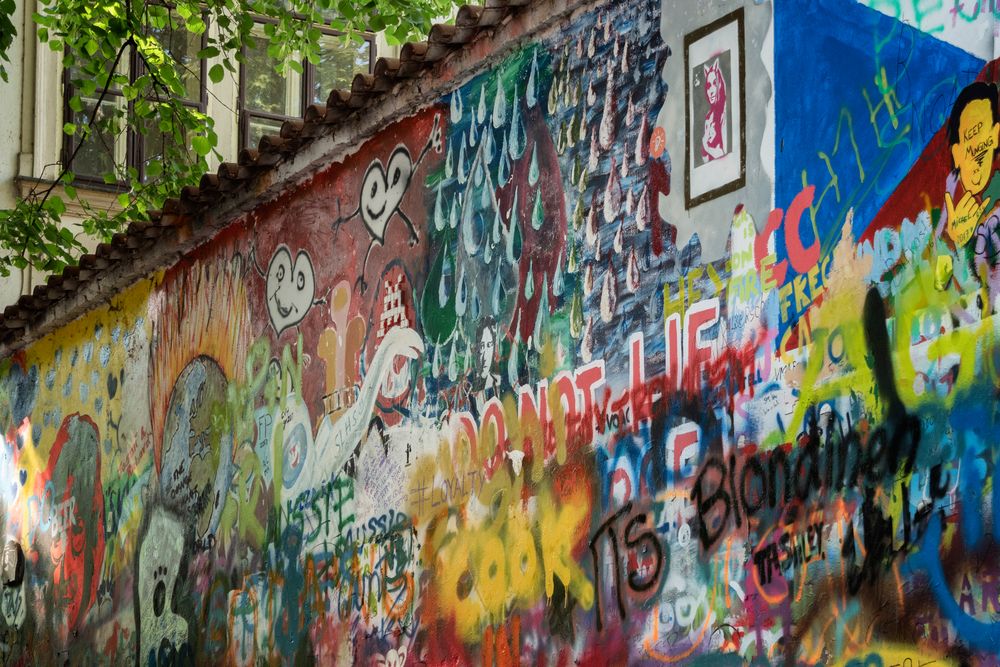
(103, 79)
(106, 145)
(267, 90)
(154, 144)
(261, 126)
(338, 62)
(183, 46)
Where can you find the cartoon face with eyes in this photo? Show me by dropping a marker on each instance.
(290, 288)
(382, 191)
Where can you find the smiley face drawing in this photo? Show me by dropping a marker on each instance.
(382, 189)
(290, 288)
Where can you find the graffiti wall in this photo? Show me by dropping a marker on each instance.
(669, 338)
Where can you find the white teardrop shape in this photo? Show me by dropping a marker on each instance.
(489, 148)
(533, 172)
(591, 229)
(609, 294)
(481, 111)
(439, 216)
(529, 282)
(542, 316)
(619, 241)
(518, 138)
(537, 212)
(436, 364)
(588, 279)
(623, 168)
(495, 237)
(499, 106)
(612, 194)
(629, 202)
(642, 210)
(456, 107)
(449, 163)
(632, 277)
(470, 238)
(531, 93)
(503, 169)
(452, 363)
(629, 111)
(591, 95)
(443, 291)
(625, 57)
(472, 135)
(594, 161)
(640, 142)
(557, 279)
(462, 174)
(497, 296)
(460, 293)
(606, 135)
(453, 215)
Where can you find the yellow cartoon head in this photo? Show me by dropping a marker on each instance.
(974, 134)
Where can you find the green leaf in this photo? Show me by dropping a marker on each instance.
(201, 145)
(208, 52)
(216, 73)
(154, 169)
(295, 66)
(55, 205)
(76, 104)
(69, 128)
(123, 199)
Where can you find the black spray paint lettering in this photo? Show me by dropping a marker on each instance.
(640, 545)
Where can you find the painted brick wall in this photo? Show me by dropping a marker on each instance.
(668, 338)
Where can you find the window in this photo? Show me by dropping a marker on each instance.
(110, 145)
(267, 98)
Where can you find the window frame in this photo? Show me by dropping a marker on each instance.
(307, 80)
(134, 153)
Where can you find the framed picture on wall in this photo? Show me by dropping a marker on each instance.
(714, 82)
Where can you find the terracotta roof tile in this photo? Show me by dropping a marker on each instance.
(415, 59)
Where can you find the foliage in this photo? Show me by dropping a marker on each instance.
(131, 66)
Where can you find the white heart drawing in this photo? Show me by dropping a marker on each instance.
(382, 190)
(396, 657)
(290, 288)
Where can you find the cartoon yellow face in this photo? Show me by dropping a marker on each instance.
(977, 143)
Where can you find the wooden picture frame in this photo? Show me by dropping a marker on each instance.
(715, 109)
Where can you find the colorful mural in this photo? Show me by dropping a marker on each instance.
(656, 342)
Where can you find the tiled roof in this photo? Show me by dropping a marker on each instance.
(415, 60)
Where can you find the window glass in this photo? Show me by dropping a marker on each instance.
(102, 150)
(258, 127)
(183, 46)
(338, 62)
(265, 89)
